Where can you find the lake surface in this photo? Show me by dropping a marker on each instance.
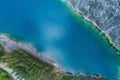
(50, 27)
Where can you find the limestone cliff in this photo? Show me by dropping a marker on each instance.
(105, 14)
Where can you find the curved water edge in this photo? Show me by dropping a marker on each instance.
(93, 27)
(96, 31)
(11, 45)
(72, 43)
(6, 40)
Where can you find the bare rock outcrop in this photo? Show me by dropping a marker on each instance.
(104, 13)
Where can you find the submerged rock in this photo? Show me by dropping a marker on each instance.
(104, 13)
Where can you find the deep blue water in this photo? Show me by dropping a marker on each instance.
(52, 29)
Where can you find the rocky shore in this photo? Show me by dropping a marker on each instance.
(104, 14)
(9, 45)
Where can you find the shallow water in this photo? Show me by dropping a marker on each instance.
(52, 29)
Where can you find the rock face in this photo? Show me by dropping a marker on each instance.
(10, 45)
(104, 13)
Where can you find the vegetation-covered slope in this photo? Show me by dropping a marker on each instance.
(4, 75)
(2, 51)
(27, 67)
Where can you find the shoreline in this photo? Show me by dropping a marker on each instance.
(11, 44)
(6, 41)
(76, 12)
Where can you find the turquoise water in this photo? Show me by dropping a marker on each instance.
(52, 29)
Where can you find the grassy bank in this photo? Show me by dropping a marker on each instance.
(4, 75)
(28, 67)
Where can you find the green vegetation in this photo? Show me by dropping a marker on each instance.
(27, 67)
(2, 51)
(69, 76)
(4, 75)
